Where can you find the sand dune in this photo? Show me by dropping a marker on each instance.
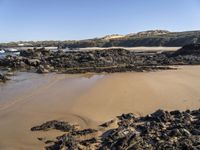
(89, 100)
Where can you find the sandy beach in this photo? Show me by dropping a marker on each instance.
(90, 99)
(135, 49)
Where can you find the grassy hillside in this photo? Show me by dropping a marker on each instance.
(146, 38)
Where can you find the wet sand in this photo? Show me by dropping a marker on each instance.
(136, 49)
(88, 100)
(141, 93)
(33, 99)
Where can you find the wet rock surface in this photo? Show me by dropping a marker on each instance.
(54, 124)
(160, 130)
(109, 60)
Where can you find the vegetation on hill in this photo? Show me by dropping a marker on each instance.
(146, 38)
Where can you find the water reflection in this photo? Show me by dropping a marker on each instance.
(23, 83)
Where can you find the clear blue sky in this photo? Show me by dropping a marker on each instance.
(81, 19)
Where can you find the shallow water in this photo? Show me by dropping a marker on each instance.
(23, 84)
(29, 99)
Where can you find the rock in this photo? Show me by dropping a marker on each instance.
(191, 49)
(44, 51)
(84, 132)
(126, 116)
(195, 131)
(41, 69)
(161, 115)
(58, 125)
(160, 130)
(108, 60)
(175, 132)
(176, 113)
(65, 142)
(89, 142)
(109, 123)
(27, 53)
(3, 78)
(33, 62)
(185, 132)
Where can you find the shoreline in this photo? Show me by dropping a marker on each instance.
(105, 60)
(90, 100)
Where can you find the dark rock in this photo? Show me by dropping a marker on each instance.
(176, 113)
(108, 60)
(89, 142)
(161, 115)
(185, 132)
(158, 131)
(127, 116)
(175, 132)
(58, 125)
(27, 53)
(191, 49)
(195, 131)
(84, 132)
(108, 124)
(66, 142)
(42, 69)
(3, 78)
(33, 62)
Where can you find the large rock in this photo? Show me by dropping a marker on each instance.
(192, 49)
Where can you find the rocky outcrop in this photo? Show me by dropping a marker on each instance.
(159, 130)
(145, 38)
(108, 60)
(58, 125)
(191, 49)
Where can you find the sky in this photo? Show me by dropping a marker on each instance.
(82, 19)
